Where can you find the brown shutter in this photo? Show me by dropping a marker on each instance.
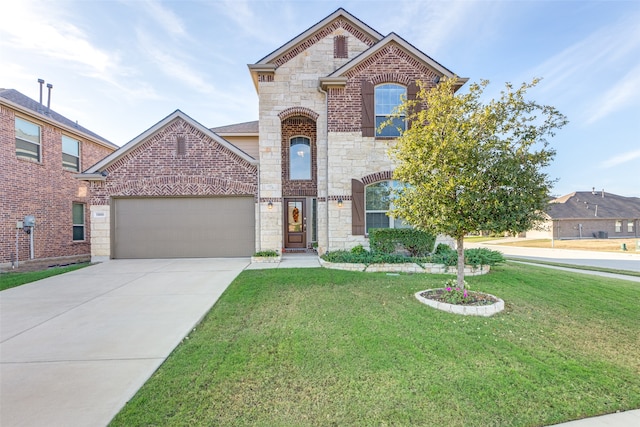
(412, 94)
(340, 47)
(357, 208)
(368, 106)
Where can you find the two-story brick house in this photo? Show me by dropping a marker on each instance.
(42, 151)
(313, 170)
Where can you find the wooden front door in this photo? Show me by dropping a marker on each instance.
(295, 224)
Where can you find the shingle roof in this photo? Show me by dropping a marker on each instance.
(582, 205)
(246, 127)
(33, 105)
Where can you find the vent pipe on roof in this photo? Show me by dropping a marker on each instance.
(593, 190)
(603, 193)
(49, 86)
(41, 83)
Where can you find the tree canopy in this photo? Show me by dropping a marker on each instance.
(471, 165)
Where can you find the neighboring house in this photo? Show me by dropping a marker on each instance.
(590, 214)
(312, 171)
(41, 153)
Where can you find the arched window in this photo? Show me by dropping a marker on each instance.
(387, 97)
(300, 158)
(378, 201)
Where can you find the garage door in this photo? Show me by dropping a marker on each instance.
(184, 227)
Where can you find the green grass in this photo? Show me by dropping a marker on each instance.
(480, 239)
(11, 280)
(327, 347)
(576, 266)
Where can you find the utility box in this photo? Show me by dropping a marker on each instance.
(29, 221)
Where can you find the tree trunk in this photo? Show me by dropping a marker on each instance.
(460, 247)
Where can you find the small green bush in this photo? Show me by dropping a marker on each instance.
(359, 249)
(365, 257)
(387, 240)
(482, 256)
(267, 253)
(445, 255)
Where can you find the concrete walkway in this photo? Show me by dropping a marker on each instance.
(75, 348)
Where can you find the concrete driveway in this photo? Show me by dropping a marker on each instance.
(75, 348)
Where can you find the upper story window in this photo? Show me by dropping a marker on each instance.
(70, 154)
(378, 202)
(300, 158)
(387, 98)
(27, 140)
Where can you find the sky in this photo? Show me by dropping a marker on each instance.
(120, 66)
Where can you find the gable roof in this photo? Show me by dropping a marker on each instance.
(23, 103)
(95, 171)
(337, 77)
(238, 128)
(339, 13)
(292, 47)
(582, 205)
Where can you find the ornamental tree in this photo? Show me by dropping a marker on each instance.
(472, 165)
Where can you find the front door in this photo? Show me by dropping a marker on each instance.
(295, 224)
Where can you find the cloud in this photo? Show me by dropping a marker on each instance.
(620, 159)
(624, 93)
(172, 63)
(30, 30)
(610, 48)
(168, 20)
(47, 38)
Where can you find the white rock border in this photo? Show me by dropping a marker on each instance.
(466, 310)
(271, 259)
(404, 268)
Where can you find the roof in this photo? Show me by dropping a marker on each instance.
(582, 205)
(95, 171)
(17, 99)
(438, 68)
(238, 128)
(339, 13)
(376, 42)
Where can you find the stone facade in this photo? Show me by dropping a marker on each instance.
(43, 189)
(320, 75)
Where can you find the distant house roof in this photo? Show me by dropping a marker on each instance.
(18, 99)
(583, 204)
(238, 128)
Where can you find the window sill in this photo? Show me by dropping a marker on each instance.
(26, 159)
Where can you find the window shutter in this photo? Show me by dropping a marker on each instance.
(368, 106)
(412, 94)
(357, 208)
(340, 47)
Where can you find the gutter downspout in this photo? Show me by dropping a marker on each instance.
(326, 178)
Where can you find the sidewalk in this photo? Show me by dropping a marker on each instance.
(619, 419)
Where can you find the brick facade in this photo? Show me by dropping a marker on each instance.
(292, 127)
(43, 189)
(156, 168)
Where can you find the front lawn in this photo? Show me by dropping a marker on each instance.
(328, 347)
(13, 279)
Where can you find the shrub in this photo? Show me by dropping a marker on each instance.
(482, 256)
(474, 257)
(387, 240)
(364, 257)
(359, 249)
(267, 253)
